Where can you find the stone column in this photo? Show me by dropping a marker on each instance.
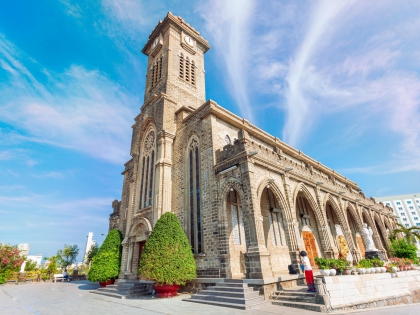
(330, 250)
(258, 257)
(163, 176)
(292, 225)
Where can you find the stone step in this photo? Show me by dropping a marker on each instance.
(112, 290)
(233, 281)
(302, 305)
(225, 299)
(243, 295)
(232, 285)
(257, 303)
(294, 293)
(114, 295)
(307, 299)
(229, 289)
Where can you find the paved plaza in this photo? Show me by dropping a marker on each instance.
(74, 298)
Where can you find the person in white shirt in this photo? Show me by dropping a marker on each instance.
(65, 276)
(309, 276)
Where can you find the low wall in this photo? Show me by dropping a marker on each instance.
(340, 293)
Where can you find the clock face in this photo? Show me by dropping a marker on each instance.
(189, 40)
(155, 42)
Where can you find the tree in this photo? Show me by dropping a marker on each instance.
(403, 249)
(106, 263)
(411, 234)
(31, 265)
(67, 256)
(52, 266)
(167, 257)
(10, 260)
(91, 253)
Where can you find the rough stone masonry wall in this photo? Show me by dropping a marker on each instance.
(363, 291)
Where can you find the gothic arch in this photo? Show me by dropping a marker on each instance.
(148, 123)
(137, 222)
(277, 193)
(227, 245)
(382, 228)
(341, 218)
(355, 215)
(301, 187)
(338, 212)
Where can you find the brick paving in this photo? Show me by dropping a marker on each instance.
(74, 298)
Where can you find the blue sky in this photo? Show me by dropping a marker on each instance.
(339, 80)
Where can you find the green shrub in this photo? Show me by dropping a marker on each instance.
(322, 263)
(106, 264)
(376, 262)
(364, 263)
(402, 249)
(167, 257)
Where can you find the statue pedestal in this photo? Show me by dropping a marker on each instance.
(374, 254)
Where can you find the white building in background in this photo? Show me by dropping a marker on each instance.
(89, 243)
(37, 258)
(24, 251)
(406, 208)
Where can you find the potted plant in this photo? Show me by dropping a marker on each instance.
(332, 263)
(363, 265)
(323, 266)
(167, 257)
(378, 265)
(106, 264)
(345, 266)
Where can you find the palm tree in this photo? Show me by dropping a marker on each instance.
(410, 234)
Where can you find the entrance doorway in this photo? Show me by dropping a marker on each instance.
(309, 241)
(361, 245)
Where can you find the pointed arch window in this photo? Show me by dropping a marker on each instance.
(192, 72)
(187, 69)
(195, 234)
(275, 220)
(156, 71)
(147, 172)
(181, 66)
(236, 218)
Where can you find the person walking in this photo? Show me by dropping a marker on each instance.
(309, 276)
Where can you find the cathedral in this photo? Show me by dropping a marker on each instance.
(248, 202)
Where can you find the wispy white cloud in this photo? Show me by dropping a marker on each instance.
(337, 70)
(229, 23)
(79, 109)
(72, 9)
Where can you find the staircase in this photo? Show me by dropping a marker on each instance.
(230, 293)
(297, 297)
(128, 289)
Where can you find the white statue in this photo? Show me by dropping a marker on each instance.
(370, 246)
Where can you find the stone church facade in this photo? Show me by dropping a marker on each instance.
(248, 202)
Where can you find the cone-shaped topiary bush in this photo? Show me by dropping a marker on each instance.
(106, 264)
(167, 257)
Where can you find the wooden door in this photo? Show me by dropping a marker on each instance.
(361, 245)
(309, 240)
(141, 246)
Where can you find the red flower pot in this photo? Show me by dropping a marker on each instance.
(166, 290)
(103, 284)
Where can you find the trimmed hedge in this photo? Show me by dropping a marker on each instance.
(106, 264)
(167, 257)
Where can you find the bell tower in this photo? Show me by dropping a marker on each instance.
(175, 65)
